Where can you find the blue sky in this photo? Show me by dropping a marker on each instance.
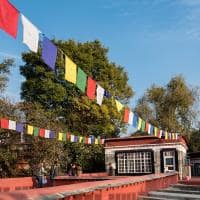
(153, 39)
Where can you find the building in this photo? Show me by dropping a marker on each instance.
(195, 163)
(146, 155)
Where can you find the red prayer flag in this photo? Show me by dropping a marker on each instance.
(8, 18)
(42, 132)
(68, 136)
(126, 115)
(147, 127)
(4, 123)
(91, 88)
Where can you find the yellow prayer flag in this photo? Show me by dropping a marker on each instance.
(119, 105)
(139, 123)
(30, 130)
(173, 136)
(166, 135)
(60, 136)
(155, 131)
(96, 141)
(70, 70)
(80, 139)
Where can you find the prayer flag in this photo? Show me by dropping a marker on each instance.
(70, 70)
(135, 120)
(139, 123)
(46, 133)
(151, 130)
(130, 119)
(155, 131)
(72, 138)
(143, 126)
(166, 135)
(89, 140)
(30, 34)
(81, 79)
(159, 133)
(173, 136)
(147, 127)
(19, 127)
(29, 129)
(69, 136)
(176, 136)
(51, 134)
(91, 88)
(49, 53)
(96, 141)
(4, 123)
(107, 94)
(126, 115)
(102, 141)
(12, 125)
(8, 18)
(35, 131)
(64, 137)
(118, 105)
(42, 132)
(80, 139)
(100, 94)
(60, 136)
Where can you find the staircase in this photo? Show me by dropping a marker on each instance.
(175, 192)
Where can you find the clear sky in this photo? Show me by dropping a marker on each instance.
(153, 39)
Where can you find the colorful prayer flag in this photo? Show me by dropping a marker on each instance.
(139, 123)
(107, 94)
(147, 127)
(49, 53)
(29, 129)
(118, 105)
(91, 88)
(155, 131)
(80, 139)
(12, 125)
(42, 132)
(126, 115)
(60, 136)
(30, 34)
(47, 133)
(8, 18)
(35, 131)
(70, 70)
(130, 118)
(96, 141)
(135, 120)
(64, 137)
(4, 123)
(143, 126)
(100, 94)
(81, 79)
(151, 130)
(51, 134)
(166, 135)
(19, 127)
(72, 138)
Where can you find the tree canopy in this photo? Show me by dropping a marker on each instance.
(170, 107)
(65, 101)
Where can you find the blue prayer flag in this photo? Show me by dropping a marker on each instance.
(49, 53)
(135, 120)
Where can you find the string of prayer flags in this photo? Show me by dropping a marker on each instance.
(29, 130)
(100, 94)
(81, 79)
(12, 125)
(126, 115)
(118, 105)
(49, 53)
(30, 34)
(70, 70)
(91, 88)
(19, 127)
(8, 18)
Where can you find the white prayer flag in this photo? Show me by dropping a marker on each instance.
(100, 94)
(47, 133)
(30, 34)
(130, 118)
(12, 125)
(72, 138)
(149, 129)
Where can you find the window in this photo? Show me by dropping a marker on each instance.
(134, 162)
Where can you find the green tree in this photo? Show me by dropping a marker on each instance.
(169, 107)
(56, 95)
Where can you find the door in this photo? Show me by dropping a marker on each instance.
(169, 161)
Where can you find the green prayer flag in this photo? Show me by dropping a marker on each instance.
(64, 138)
(143, 125)
(81, 80)
(35, 131)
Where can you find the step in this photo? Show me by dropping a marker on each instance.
(176, 196)
(177, 190)
(152, 198)
(187, 187)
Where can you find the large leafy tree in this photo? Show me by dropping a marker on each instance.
(170, 107)
(79, 114)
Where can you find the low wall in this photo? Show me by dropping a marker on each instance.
(11, 184)
(126, 188)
